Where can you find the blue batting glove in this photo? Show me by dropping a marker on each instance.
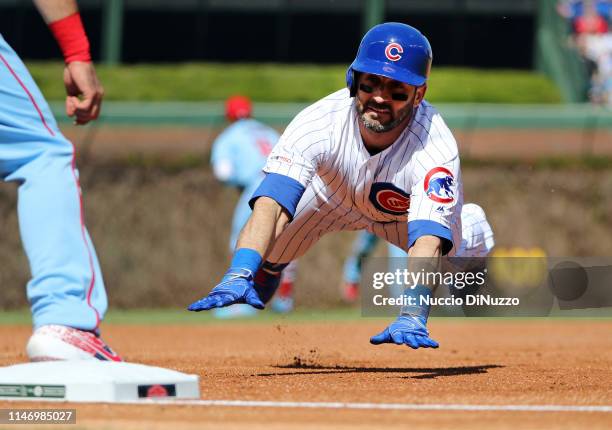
(235, 287)
(407, 329)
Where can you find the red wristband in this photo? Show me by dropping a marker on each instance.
(71, 37)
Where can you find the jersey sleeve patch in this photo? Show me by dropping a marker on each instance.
(438, 185)
(286, 191)
(421, 227)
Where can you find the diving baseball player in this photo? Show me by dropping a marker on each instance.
(477, 241)
(66, 292)
(238, 155)
(374, 156)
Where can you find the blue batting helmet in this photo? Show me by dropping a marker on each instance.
(394, 50)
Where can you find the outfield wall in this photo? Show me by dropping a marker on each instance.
(461, 116)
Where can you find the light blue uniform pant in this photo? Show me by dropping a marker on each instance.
(66, 286)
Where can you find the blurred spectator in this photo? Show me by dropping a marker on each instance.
(575, 9)
(590, 22)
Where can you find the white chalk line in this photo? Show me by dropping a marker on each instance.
(377, 406)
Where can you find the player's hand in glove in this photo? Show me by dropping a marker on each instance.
(407, 329)
(235, 287)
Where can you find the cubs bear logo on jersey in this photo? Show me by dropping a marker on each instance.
(388, 198)
(438, 185)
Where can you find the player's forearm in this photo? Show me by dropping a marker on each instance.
(426, 246)
(54, 10)
(424, 255)
(266, 222)
(423, 258)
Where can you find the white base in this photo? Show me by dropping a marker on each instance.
(94, 381)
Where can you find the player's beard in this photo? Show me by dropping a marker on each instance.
(374, 124)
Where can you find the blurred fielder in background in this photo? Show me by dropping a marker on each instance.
(66, 291)
(238, 156)
(374, 156)
(476, 241)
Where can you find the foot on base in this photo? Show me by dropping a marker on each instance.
(58, 342)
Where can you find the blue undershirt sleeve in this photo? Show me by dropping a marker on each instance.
(286, 191)
(423, 227)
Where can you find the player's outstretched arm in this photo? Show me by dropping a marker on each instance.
(257, 237)
(267, 221)
(83, 89)
(410, 327)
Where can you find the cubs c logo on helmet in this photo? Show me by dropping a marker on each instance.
(438, 185)
(393, 51)
(389, 199)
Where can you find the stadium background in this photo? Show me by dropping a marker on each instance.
(158, 217)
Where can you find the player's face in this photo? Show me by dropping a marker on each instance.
(384, 103)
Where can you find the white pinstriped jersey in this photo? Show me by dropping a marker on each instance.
(417, 178)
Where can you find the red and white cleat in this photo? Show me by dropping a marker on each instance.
(58, 342)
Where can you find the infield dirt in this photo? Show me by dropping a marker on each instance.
(480, 362)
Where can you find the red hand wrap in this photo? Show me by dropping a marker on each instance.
(71, 37)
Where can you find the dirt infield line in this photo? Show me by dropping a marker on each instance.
(378, 406)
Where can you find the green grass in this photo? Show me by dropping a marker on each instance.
(290, 83)
(181, 316)
(20, 316)
(491, 86)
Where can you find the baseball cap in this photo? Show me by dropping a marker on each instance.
(237, 107)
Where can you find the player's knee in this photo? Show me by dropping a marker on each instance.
(474, 210)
